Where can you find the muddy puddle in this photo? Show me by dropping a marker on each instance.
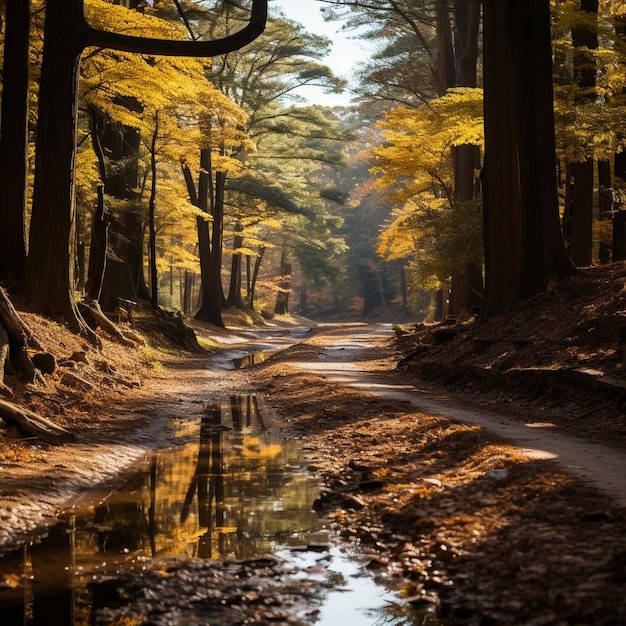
(229, 490)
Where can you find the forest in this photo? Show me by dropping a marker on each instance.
(202, 182)
(194, 256)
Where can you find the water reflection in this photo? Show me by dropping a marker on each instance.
(229, 489)
(252, 358)
(232, 491)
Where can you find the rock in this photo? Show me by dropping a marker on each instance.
(80, 356)
(498, 474)
(45, 362)
(353, 502)
(371, 485)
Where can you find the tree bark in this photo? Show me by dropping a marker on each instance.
(48, 279)
(154, 276)
(284, 284)
(216, 295)
(500, 181)
(524, 249)
(255, 276)
(13, 139)
(32, 424)
(584, 39)
(234, 298)
(19, 339)
(544, 259)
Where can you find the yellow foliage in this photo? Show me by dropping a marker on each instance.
(429, 228)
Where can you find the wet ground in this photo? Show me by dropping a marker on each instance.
(226, 495)
(466, 523)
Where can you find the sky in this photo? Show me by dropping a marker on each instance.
(345, 53)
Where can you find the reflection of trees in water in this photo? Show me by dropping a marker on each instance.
(240, 483)
(231, 492)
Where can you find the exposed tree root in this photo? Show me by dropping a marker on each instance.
(93, 315)
(16, 339)
(31, 423)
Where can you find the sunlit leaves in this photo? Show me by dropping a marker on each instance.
(430, 228)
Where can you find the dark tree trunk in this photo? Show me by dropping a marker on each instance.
(13, 139)
(99, 221)
(48, 278)
(255, 276)
(584, 39)
(284, 284)
(234, 298)
(544, 259)
(605, 205)
(500, 180)
(445, 69)
(524, 248)
(187, 294)
(154, 276)
(127, 224)
(98, 249)
(209, 200)
(619, 217)
(466, 281)
(403, 287)
(200, 199)
(303, 299)
(216, 294)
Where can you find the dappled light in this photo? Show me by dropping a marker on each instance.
(312, 312)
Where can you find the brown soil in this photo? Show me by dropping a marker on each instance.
(473, 527)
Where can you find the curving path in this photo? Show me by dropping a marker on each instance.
(345, 360)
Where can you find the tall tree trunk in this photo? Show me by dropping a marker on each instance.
(124, 274)
(445, 69)
(524, 248)
(467, 278)
(13, 139)
(619, 217)
(284, 284)
(207, 199)
(255, 276)
(99, 220)
(404, 290)
(216, 294)
(500, 180)
(544, 259)
(48, 278)
(605, 205)
(584, 40)
(234, 298)
(154, 276)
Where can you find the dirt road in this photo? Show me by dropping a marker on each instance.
(345, 360)
(487, 531)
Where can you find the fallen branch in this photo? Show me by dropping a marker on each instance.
(31, 423)
(72, 380)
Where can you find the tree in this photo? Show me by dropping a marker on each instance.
(434, 228)
(524, 248)
(241, 175)
(47, 282)
(580, 173)
(13, 139)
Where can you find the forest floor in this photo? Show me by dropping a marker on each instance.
(476, 527)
